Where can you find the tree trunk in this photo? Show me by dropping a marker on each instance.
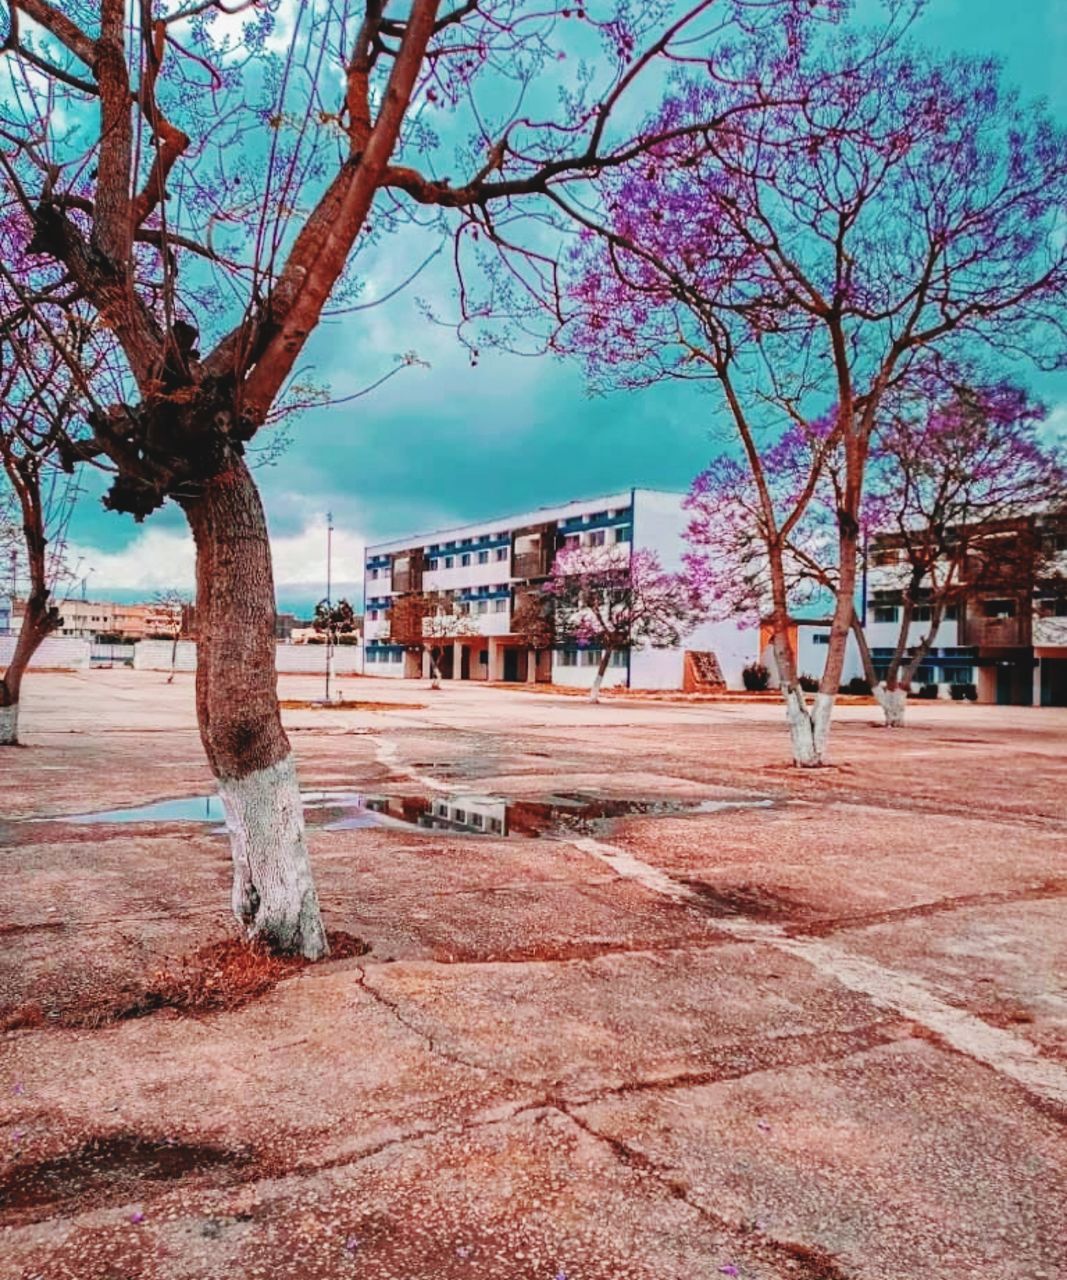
(809, 727)
(435, 670)
(173, 659)
(37, 622)
(274, 894)
(890, 695)
(893, 701)
(598, 679)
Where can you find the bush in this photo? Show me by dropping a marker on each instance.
(756, 677)
(928, 691)
(964, 690)
(860, 687)
(809, 684)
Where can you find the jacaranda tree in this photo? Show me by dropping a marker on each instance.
(207, 176)
(804, 261)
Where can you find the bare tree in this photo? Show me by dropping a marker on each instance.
(427, 622)
(39, 404)
(207, 209)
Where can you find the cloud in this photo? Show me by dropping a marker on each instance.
(159, 558)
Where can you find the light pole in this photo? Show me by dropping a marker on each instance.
(329, 601)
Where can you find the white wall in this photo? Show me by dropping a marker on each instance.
(582, 677)
(154, 655)
(58, 652)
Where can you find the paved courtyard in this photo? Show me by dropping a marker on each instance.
(695, 1015)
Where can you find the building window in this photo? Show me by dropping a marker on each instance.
(431, 564)
(598, 537)
(572, 541)
(999, 608)
(618, 658)
(500, 605)
(590, 657)
(622, 533)
(822, 638)
(465, 560)
(568, 658)
(885, 613)
(374, 615)
(449, 562)
(372, 574)
(501, 553)
(483, 557)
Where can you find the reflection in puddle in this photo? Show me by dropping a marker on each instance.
(461, 814)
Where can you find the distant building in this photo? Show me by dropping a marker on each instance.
(1004, 631)
(486, 568)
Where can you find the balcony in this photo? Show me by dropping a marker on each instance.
(996, 633)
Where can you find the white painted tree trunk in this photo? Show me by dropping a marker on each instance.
(594, 689)
(9, 725)
(893, 703)
(273, 890)
(809, 727)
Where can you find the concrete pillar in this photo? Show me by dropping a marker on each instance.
(426, 664)
(457, 659)
(1037, 683)
(494, 658)
(531, 666)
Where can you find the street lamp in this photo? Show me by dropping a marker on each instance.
(329, 601)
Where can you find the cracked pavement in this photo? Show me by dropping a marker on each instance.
(822, 1038)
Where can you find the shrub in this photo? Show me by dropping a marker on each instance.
(756, 677)
(809, 684)
(928, 691)
(859, 686)
(964, 690)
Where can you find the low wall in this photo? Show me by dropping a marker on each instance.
(155, 655)
(59, 652)
(347, 659)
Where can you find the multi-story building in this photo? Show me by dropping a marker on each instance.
(1004, 630)
(486, 568)
(88, 619)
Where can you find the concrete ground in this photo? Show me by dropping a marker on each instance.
(820, 1037)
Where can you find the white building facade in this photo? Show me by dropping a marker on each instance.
(486, 568)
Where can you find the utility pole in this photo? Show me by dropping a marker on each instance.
(329, 601)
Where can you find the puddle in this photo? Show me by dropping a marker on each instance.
(460, 814)
(104, 1169)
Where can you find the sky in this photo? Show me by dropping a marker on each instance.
(451, 443)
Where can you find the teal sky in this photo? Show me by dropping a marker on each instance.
(453, 443)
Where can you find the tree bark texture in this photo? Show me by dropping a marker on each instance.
(240, 722)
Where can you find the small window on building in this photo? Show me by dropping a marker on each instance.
(449, 562)
(483, 557)
(465, 559)
(622, 533)
(501, 553)
(999, 609)
(568, 658)
(500, 605)
(372, 574)
(590, 657)
(598, 537)
(571, 541)
(374, 615)
(823, 637)
(885, 613)
(432, 564)
(618, 658)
